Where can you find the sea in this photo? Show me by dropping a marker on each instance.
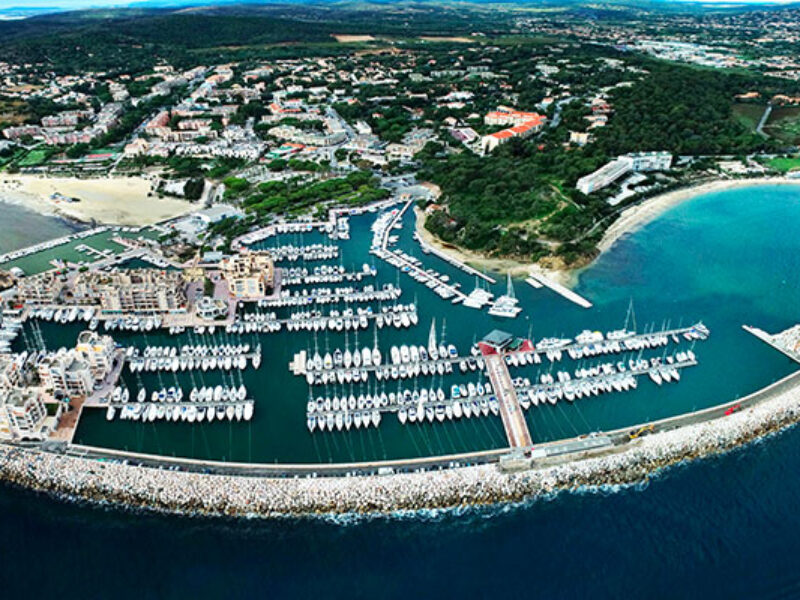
(23, 227)
(720, 527)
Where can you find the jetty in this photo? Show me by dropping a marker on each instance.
(381, 241)
(428, 249)
(517, 432)
(558, 289)
(787, 342)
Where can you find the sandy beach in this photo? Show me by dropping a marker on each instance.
(111, 201)
(639, 215)
(629, 221)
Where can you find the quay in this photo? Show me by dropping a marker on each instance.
(428, 249)
(399, 260)
(545, 454)
(559, 289)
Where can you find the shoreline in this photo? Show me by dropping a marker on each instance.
(634, 217)
(518, 269)
(199, 494)
(124, 201)
(630, 220)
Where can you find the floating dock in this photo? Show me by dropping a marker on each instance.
(559, 289)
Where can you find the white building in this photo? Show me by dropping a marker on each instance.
(23, 415)
(605, 175)
(628, 163)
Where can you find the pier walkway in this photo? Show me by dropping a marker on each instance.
(401, 261)
(558, 289)
(428, 249)
(510, 410)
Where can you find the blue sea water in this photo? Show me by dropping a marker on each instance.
(723, 527)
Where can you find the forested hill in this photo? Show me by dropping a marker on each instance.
(122, 39)
(96, 40)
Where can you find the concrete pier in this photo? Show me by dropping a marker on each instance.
(510, 410)
(559, 289)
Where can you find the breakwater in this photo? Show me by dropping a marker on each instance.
(186, 492)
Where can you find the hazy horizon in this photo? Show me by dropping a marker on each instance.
(66, 5)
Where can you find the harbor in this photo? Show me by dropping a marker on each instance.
(572, 375)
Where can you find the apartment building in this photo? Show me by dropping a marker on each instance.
(250, 274)
(133, 291)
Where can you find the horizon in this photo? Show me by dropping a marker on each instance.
(27, 8)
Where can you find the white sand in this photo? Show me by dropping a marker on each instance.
(639, 215)
(111, 201)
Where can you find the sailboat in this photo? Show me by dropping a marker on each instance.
(506, 305)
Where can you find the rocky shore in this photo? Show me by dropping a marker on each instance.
(240, 496)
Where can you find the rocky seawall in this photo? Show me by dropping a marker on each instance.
(239, 496)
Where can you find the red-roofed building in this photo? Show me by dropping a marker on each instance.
(533, 123)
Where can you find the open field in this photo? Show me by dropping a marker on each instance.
(784, 165)
(33, 159)
(784, 124)
(352, 39)
(748, 114)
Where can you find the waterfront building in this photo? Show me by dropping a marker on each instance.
(211, 308)
(133, 291)
(98, 352)
(44, 288)
(636, 162)
(11, 374)
(605, 175)
(23, 415)
(249, 274)
(650, 161)
(64, 372)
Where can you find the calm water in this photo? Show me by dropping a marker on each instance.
(22, 227)
(725, 527)
(703, 261)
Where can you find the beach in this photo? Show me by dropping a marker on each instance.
(638, 215)
(554, 270)
(110, 201)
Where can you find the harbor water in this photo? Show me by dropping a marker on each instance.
(719, 527)
(685, 267)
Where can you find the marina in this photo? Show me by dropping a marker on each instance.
(410, 405)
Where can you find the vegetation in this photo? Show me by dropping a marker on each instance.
(276, 197)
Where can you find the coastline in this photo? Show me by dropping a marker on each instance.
(199, 494)
(630, 220)
(479, 261)
(638, 215)
(108, 200)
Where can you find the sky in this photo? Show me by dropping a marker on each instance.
(79, 4)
